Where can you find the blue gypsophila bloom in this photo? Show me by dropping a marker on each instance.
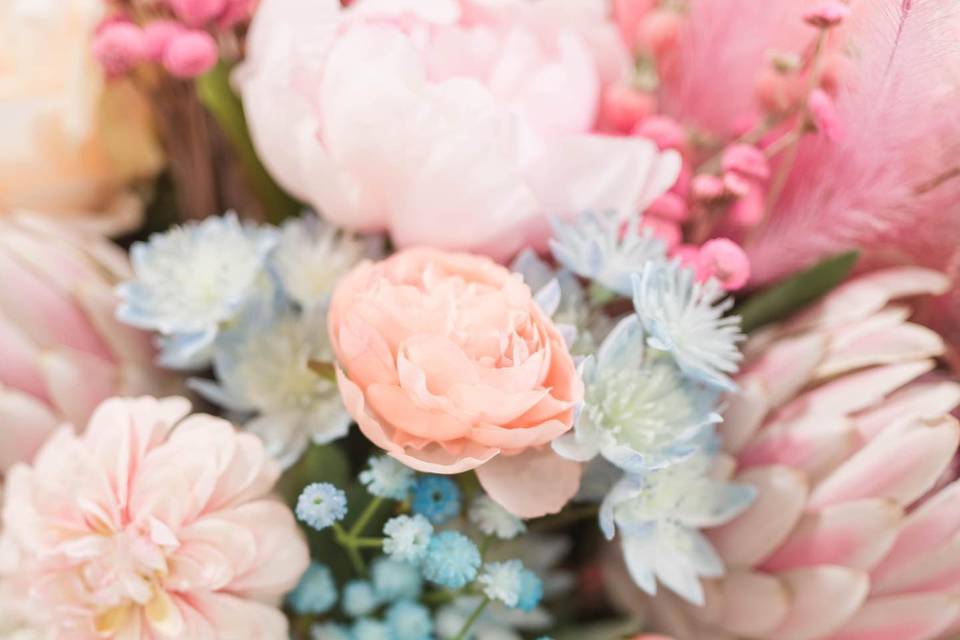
(369, 629)
(685, 318)
(329, 631)
(316, 593)
(192, 279)
(321, 504)
(387, 478)
(359, 599)
(501, 581)
(596, 246)
(393, 580)
(437, 498)
(531, 591)
(409, 620)
(452, 560)
(407, 538)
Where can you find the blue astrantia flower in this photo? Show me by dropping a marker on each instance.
(387, 478)
(368, 629)
(606, 248)
(686, 318)
(263, 367)
(639, 410)
(409, 620)
(452, 560)
(359, 598)
(190, 280)
(321, 504)
(658, 516)
(407, 538)
(437, 498)
(312, 255)
(394, 580)
(316, 593)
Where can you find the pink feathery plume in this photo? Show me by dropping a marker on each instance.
(891, 184)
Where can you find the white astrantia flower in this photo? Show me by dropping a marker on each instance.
(189, 281)
(263, 367)
(494, 520)
(387, 478)
(639, 411)
(313, 254)
(686, 318)
(607, 248)
(658, 515)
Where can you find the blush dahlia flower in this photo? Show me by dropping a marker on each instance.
(151, 525)
(852, 450)
(63, 350)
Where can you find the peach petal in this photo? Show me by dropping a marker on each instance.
(812, 444)
(532, 484)
(749, 604)
(492, 435)
(936, 569)
(823, 599)
(744, 415)
(398, 409)
(917, 401)
(906, 617)
(883, 345)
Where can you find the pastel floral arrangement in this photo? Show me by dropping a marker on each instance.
(480, 319)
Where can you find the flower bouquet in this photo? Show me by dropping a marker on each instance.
(480, 319)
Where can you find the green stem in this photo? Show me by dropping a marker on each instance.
(368, 543)
(472, 619)
(365, 517)
(214, 92)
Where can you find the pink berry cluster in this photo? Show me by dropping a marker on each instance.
(180, 37)
(726, 185)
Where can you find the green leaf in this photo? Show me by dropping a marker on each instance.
(215, 93)
(787, 296)
(320, 463)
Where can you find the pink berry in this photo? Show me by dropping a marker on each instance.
(190, 54)
(197, 13)
(724, 260)
(119, 46)
(157, 36)
(827, 14)
(624, 106)
(707, 187)
(746, 160)
(666, 132)
(749, 209)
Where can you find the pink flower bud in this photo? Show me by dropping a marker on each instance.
(823, 112)
(776, 92)
(746, 160)
(687, 254)
(624, 106)
(190, 54)
(666, 230)
(707, 187)
(749, 209)
(827, 14)
(669, 206)
(157, 35)
(197, 13)
(736, 184)
(119, 46)
(660, 31)
(666, 132)
(724, 260)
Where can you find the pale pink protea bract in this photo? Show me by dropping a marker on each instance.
(848, 438)
(152, 525)
(63, 350)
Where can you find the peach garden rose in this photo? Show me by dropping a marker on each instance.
(447, 362)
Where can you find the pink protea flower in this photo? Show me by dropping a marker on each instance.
(63, 350)
(151, 525)
(852, 449)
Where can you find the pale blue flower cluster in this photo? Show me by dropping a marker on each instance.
(387, 478)
(407, 537)
(437, 498)
(512, 584)
(250, 300)
(652, 392)
(321, 505)
(452, 560)
(316, 593)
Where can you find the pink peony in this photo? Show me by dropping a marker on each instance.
(854, 532)
(448, 363)
(150, 526)
(460, 124)
(63, 350)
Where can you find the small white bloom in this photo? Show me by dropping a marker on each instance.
(601, 248)
(262, 366)
(312, 256)
(494, 520)
(659, 515)
(686, 318)
(502, 581)
(190, 280)
(387, 478)
(407, 538)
